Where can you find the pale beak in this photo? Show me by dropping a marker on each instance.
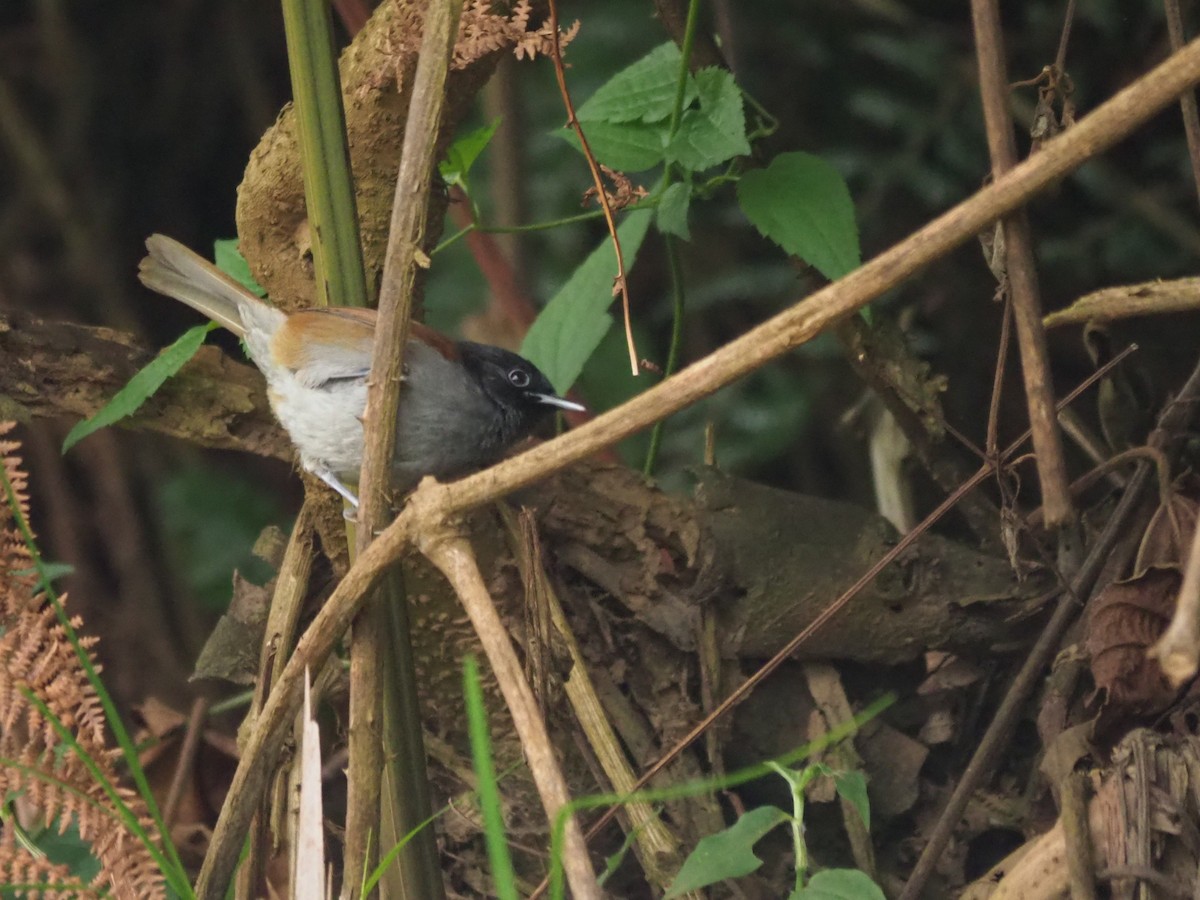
(552, 400)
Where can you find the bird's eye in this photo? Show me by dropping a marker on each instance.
(519, 378)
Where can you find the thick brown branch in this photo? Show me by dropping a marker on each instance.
(51, 369)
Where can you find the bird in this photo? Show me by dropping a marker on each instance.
(463, 404)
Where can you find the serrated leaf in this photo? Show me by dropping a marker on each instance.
(839, 884)
(626, 147)
(575, 320)
(852, 787)
(801, 203)
(142, 385)
(229, 260)
(463, 153)
(672, 212)
(715, 132)
(642, 92)
(726, 854)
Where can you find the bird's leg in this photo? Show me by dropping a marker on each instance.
(334, 482)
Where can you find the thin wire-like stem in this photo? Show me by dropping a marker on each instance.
(678, 296)
(1064, 37)
(598, 179)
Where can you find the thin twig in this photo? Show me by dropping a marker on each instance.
(1187, 100)
(1064, 38)
(1093, 134)
(456, 560)
(291, 585)
(187, 759)
(992, 442)
(1021, 269)
(598, 180)
(1165, 438)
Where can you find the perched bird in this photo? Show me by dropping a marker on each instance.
(463, 404)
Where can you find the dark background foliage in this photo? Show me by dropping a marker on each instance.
(122, 118)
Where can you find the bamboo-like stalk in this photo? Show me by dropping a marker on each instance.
(382, 663)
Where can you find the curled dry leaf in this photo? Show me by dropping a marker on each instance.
(1126, 619)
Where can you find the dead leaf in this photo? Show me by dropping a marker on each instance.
(1126, 619)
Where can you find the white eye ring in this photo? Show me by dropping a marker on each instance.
(519, 378)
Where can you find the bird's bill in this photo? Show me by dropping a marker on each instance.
(552, 400)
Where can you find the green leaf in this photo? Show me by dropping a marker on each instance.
(51, 572)
(717, 130)
(726, 854)
(463, 153)
(142, 385)
(672, 213)
(852, 786)
(625, 146)
(576, 319)
(644, 91)
(229, 260)
(70, 850)
(801, 203)
(839, 884)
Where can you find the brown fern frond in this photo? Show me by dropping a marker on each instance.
(38, 660)
(483, 30)
(36, 876)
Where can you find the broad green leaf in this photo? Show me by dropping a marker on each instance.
(672, 213)
(852, 786)
(839, 884)
(726, 854)
(68, 849)
(801, 203)
(625, 146)
(575, 320)
(142, 385)
(716, 131)
(644, 91)
(229, 260)
(463, 153)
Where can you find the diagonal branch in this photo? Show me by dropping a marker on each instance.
(433, 502)
(454, 557)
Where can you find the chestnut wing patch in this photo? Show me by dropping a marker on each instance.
(326, 344)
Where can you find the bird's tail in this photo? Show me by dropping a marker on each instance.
(174, 270)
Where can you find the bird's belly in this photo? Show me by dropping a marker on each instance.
(324, 423)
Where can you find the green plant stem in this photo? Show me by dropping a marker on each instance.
(325, 155)
(521, 229)
(700, 786)
(124, 741)
(685, 59)
(172, 871)
(503, 877)
(676, 267)
(678, 296)
(798, 782)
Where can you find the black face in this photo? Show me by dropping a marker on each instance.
(514, 384)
